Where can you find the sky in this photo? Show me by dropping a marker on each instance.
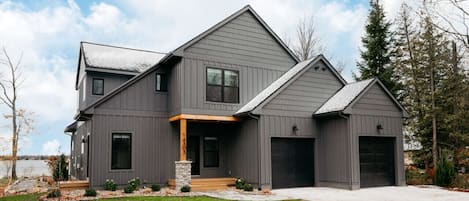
(48, 33)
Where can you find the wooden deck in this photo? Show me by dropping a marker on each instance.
(207, 184)
(74, 185)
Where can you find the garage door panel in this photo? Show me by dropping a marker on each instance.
(292, 162)
(376, 161)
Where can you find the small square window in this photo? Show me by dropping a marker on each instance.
(222, 85)
(98, 86)
(161, 82)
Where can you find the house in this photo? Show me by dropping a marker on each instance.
(232, 102)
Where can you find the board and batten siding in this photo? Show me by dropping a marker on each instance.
(281, 126)
(373, 108)
(79, 161)
(154, 149)
(243, 152)
(305, 94)
(334, 157)
(242, 44)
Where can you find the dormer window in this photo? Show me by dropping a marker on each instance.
(161, 82)
(98, 86)
(222, 85)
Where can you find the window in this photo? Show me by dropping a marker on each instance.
(98, 86)
(211, 152)
(161, 82)
(121, 151)
(222, 85)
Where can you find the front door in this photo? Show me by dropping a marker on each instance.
(193, 153)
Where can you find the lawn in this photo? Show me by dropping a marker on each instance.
(26, 197)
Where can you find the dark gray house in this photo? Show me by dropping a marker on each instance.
(235, 102)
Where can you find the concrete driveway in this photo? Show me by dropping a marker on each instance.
(391, 193)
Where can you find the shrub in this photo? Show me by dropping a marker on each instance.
(155, 187)
(461, 181)
(135, 183)
(239, 183)
(445, 171)
(54, 193)
(90, 192)
(416, 177)
(129, 189)
(59, 168)
(110, 185)
(248, 187)
(186, 189)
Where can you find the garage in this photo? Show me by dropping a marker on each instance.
(292, 162)
(376, 161)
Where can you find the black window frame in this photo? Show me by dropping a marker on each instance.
(206, 151)
(93, 88)
(130, 150)
(223, 86)
(163, 78)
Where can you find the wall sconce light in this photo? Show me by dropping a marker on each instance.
(379, 127)
(316, 67)
(295, 128)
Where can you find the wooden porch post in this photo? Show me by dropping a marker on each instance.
(182, 139)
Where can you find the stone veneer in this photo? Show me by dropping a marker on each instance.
(183, 174)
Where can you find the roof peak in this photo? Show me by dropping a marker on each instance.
(120, 47)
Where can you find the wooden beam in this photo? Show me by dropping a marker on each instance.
(182, 139)
(202, 117)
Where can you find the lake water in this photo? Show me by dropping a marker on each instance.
(27, 168)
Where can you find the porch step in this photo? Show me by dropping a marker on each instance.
(207, 184)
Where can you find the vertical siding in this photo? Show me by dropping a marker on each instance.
(306, 94)
(79, 160)
(243, 44)
(174, 89)
(243, 146)
(376, 102)
(152, 148)
(140, 96)
(111, 81)
(334, 149)
(280, 126)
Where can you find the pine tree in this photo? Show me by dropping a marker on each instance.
(375, 58)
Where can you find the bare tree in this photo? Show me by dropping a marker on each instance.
(20, 121)
(306, 43)
(454, 21)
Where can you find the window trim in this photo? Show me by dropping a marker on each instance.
(217, 151)
(92, 87)
(131, 152)
(156, 81)
(222, 85)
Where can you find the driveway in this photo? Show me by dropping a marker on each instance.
(391, 193)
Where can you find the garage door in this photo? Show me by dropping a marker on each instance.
(376, 161)
(292, 162)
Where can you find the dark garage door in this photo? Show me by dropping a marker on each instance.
(376, 161)
(292, 162)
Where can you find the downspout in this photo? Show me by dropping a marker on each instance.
(349, 160)
(258, 150)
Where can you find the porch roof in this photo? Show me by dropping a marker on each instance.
(203, 117)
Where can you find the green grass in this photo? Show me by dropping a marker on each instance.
(158, 198)
(26, 197)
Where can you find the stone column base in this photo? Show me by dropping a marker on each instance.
(183, 174)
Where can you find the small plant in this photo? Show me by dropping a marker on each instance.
(110, 185)
(135, 183)
(90, 192)
(54, 193)
(129, 189)
(445, 171)
(248, 187)
(186, 189)
(239, 183)
(155, 187)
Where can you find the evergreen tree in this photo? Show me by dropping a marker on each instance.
(375, 58)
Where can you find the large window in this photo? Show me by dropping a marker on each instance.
(211, 155)
(161, 82)
(121, 151)
(98, 86)
(222, 85)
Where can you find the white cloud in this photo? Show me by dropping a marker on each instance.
(51, 147)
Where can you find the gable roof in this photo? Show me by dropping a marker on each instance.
(179, 51)
(346, 97)
(114, 59)
(291, 74)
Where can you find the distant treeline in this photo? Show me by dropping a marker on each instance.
(28, 157)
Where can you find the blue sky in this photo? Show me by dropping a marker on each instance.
(48, 33)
